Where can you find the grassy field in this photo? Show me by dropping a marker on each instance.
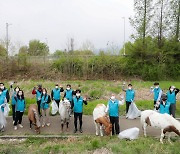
(90, 144)
(99, 91)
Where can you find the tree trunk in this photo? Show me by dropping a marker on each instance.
(177, 26)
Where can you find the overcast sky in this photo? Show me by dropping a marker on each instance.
(53, 21)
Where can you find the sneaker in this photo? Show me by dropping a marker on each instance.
(80, 130)
(21, 126)
(75, 130)
(13, 122)
(48, 124)
(15, 127)
(43, 125)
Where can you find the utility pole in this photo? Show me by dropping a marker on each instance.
(7, 39)
(124, 37)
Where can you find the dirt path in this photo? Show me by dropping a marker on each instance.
(88, 127)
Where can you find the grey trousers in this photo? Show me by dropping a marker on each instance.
(172, 109)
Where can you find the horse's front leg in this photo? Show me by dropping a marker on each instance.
(162, 136)
(144, 129)
(97, 128)
(169, 138)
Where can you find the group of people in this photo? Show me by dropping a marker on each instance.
(164, 103)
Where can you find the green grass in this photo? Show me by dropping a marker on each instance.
(88, 144)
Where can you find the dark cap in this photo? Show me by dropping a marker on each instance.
(130, 84)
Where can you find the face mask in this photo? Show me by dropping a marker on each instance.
(157, 87)
(20, 94)
(78, 94)
(2, 87)
(0, 93)
(129, 88)
(56, 87)
(171, 89)
(17, 89)
(112, 97)
(44, 92)
(68, 88)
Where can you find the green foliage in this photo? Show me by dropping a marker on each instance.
(37, 48)
(3, 51)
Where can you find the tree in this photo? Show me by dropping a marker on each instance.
(37, 48)
(175, 19)
(87, 46)
(23, 50)
(142, 18)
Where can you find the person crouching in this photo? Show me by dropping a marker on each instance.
(20, 108)
(45, 100)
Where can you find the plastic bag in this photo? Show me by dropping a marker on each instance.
(131, 133)
(133, 111)
(6, 109)
(2, 119)
(54, 108)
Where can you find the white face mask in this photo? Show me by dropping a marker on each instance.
(17, 89)
(157, 87)
(44, 92)
(112, 97)
(2, 87)
(129, 88)
(20, 94)
(68, 88)
(0, 93)
(171, 89)
(56, 87)
(78, 94)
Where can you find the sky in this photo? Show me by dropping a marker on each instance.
(54, 21)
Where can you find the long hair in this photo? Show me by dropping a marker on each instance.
(22, 96)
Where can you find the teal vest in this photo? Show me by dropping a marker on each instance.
(156, 93)
(2, 99)
(69, 94)
(20, 105)
(78, 104)
(113, 108)
(56, 94)
(130, 95)
(164, 109)
(171, 97)
(44, 104)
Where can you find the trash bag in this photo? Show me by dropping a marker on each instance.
(133, 111)
(54, 108)
(2, 119)
(6, 109)
(131, 133)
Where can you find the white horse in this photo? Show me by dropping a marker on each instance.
(100, 120)
(163, 121)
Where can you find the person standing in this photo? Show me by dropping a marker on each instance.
(130, 95)
(13, 102)
(5, 91)
(20, 108)
(38, 93)
(68, 94)
(113, 109)
(45, 100)
(77, 104)
(171, 97)
(56, 94)
(157, 93)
